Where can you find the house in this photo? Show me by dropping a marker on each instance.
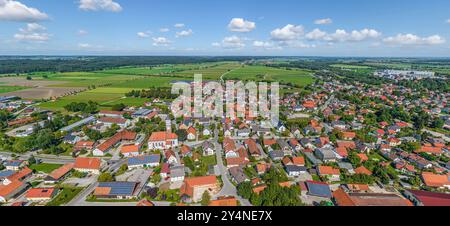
(252, 148)
(141, 113)
(276, 155)
(15, 165)
(88, 165)
(84, 145)
(144, 161)
(329, 172)
(294, 171)
(177, 173)
(298, 161)
(191, 133)
(58, 174)
(363, 170)
(14, 184)
(195, 187)
(162, 141)
(224, 201)
(325, 154)
(40, 194)
(295, 145)
(110, 143)
(145, 202)
(112, 114)
(427, 198)
(435, 180)
(229, 147)
(319, 189)
(206, 131)
(109, 121)
(238, 175)
(185, 151)
(261, 168)
(165, 170)
(342, 198)
(348, 135)
(71, 139)
(245, 132)
(116, 190)
(170, 157)
(130, 150)
(208, 148)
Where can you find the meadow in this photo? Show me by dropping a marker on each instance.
(263, 73)
(212, 72)
(7, 89)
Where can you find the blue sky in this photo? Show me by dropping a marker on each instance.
(214, 27)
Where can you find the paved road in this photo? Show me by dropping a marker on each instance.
(43, 158)
(436, 134)
(80, 199)
(228, 189)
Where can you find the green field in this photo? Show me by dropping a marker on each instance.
(348, 66)
(158, 70)
(263, 73)
(64, 196)
(149, 82)
(7, 89)
(211, 72)
(45, 167)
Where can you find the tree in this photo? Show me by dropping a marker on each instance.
(205, 198)
(182, 134)
(105, 177)
(244, 189)
(32, 160)
(118, 107)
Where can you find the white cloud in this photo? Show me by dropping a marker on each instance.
(231, 42)
(164, 30)
(16, 11)
(143, 34)
(82, 32)
(266, 45)
(33, 33)
(96, 5)
(288, 32)
(316, 34)
(84, 45)
(323, 21)
(411, 39)
(179, 25)
(184, 33)
(241, 25)
(341, 35)
(448, 21)
(161, 41)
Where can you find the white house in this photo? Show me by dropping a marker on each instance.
(162, 141)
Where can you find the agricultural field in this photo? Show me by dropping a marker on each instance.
(158, 70)
(260, 73)
(348, 66)
(7, 89)
(212, 72)
(149, 82)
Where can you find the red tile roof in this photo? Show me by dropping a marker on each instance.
(87, 163)
(230, 201)
(112, 120)
(435, 180)
(61, 171)
(163, 136)
(431, 198)
(328, 170)
(363, 170)
(40, 193)
(118, 137)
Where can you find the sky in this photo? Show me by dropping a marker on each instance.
(382, 28)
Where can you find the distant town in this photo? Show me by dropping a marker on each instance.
(351, 133)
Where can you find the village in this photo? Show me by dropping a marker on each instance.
(342, 143)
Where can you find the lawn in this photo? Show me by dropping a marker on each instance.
(45, 167)
(7, 89)
(64, 196)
